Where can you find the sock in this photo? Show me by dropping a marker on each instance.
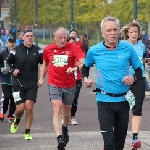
(135, 136)
(17, 121)
(27, 131)
(64, 128)
(59, 137)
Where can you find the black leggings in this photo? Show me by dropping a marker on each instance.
(7, 91)
(113, 118)
(75, 101)
(138, 90)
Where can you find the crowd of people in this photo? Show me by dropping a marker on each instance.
(120, 81)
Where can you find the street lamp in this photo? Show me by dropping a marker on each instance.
(71, 15)
(36, 22)
(15, 18)
(135, 9)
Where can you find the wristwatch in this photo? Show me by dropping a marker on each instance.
(135, 78)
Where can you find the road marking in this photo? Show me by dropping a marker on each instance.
(91, 92)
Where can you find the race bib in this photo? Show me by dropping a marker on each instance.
(130, 98)
(16, 96)
(60, 60)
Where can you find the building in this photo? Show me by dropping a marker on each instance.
(4, 14)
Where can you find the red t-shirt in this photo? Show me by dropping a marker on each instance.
(80, 45)
(60, 59)
(78, 75)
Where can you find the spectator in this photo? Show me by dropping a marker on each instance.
(20, 40)
(147, 43)
(5, 38)
(144, 37)
(85, 42)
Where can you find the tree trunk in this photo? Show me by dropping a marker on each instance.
(50, 33)
(86, 29)
(149, 24)
(43, 34)
(97, 32)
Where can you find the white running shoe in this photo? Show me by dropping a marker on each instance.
(73, 121)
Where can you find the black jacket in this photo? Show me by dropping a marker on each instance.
(5, 78)
(26, 60)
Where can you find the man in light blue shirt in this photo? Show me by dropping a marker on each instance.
(19, 40)
(4, 39)
(112, 58)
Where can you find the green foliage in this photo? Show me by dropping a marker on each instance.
(123, 10)
(85, 11)
(87, 14)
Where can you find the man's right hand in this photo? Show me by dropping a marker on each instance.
(4, 70)
(40, 82)
(15, 72)
(87, 82)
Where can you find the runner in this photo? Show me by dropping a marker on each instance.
(78, 77)
(7, 100)
(132, 33)
(25, 59)
(59, 58)
(113, 82)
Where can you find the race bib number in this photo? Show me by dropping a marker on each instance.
(16, 96)
(60, 60)
(130, 98)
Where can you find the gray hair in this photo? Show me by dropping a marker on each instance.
(109, 18)
(59, 28)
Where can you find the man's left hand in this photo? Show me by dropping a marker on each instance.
(128, 80)
(71, 70)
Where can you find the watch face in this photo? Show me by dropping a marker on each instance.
(135, 79)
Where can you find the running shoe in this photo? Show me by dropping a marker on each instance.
(136, 144)
(65, 136)
(10, 118)
(2, 117)
(73, 121)
(61, 144)
(27, 136)
(14, 128)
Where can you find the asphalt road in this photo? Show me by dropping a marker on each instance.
(84, 136)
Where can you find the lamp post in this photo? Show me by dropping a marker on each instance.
(71, 15)
(135, 10)
(36, 22)
(0, 8)
(15, 18)
(0, 22)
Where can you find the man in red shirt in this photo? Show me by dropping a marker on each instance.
(59, 61)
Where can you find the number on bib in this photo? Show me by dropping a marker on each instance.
(16, 96)
(60, 60)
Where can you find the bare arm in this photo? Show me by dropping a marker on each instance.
(43, 71)
(80, 63)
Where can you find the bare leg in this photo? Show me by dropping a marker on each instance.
(19, 110)
(136, 124)
(29, 113)
(66, 111)
(57, 122)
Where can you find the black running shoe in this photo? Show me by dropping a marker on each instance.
(61, 144)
